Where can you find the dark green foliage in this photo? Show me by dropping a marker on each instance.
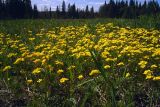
(17, 9)
(133, 9)
(63, 9)
(35, 12)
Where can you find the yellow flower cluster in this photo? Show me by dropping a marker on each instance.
(69, 49)
(142, 64)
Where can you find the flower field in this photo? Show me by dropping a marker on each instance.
(101, 65)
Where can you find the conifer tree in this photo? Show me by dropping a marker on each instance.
(57, 12)
(35, 12)
(63, 9)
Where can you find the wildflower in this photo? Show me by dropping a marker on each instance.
(11, 55)
(80, 77)
(94, 72)
(44, 61)
(36, 61)
(39, 80)
(127, 75)
(153, 66)
(60, 71)
(63, 80)
(142, 64)
(36, 71)
(6, 68)
(156, 78)
(58, 62)
(146, 72)
(107, 66)
(104, 54)
(149, 76)
(29, 81)
(19, 60)
(31, 39)
(120, 64)
(71, 67)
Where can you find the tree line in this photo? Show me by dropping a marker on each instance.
(17, 9)
(131, 9)
(14, 9)
(71, 11)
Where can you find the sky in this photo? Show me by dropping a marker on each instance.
(79, 3)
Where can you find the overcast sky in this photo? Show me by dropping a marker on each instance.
(79, 3)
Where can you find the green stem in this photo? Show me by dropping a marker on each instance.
(103, 73)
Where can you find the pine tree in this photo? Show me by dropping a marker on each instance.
(63, 9)
(69, 11)
(132, 9)
(92, 12)
(111, 9)
(87, 12)
(1, 6)
(28, 8)
(72, 11)
(35, 12)
(15, 9)
(57, 12)
(103, 10)
(50, 12)
(143, 10)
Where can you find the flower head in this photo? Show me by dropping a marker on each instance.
(63, 80)
(80, 77)
(60, 71)
(36, 71)
(6, 68)
(94, 72)
(29, 81)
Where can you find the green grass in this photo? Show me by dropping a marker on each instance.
(20, 27)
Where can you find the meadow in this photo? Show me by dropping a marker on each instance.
(80, 63)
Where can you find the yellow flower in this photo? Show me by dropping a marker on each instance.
(149, 76)
(36, 61)
(36, 71)
(146, 72)
(58, 62)
(31, 39)
(153, 66)
(6, 68)
(60, 71)
(94, 72)
(156, 78)
(29, 81)
(120, 64)
(44, 61)
(142, 64)
(127, 75)
(39, 80)
(80, 77)
(107, 66)
(11, 55)
(71, 67)
(19, 60)
(104, 54)
(63, 80)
